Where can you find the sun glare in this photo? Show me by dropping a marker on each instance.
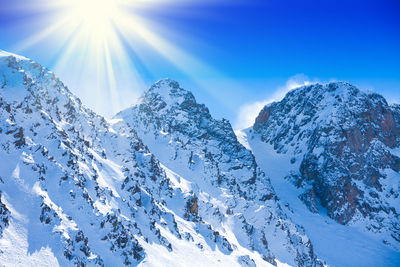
(93, 42)
(95, 17)
(94, 12)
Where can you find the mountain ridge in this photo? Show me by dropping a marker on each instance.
(93, 194)
(164, 182)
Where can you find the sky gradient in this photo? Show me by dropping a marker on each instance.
(230, 54)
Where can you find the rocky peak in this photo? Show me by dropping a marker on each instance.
(167, 88)
(343, 141)
(206, 152)
(166, 108)
(167, 94)
(167, 98)
(322, 106)
(168, 111)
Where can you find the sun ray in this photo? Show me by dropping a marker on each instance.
(35, 39)
(111, 79)
(94, 40)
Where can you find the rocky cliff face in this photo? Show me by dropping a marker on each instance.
(346, 143)
(233, 194)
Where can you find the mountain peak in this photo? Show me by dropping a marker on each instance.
(344, 142)
(319, 89)
(166, 92)
(168, 99)
(324, 102)
(21, 77)
(166, 82)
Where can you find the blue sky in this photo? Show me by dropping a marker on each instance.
(230, 54)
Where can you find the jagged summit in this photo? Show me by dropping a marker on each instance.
(320, 106)
(310, 96)
(343, 143)
(166, 86)
(166, 110)
(166, 93)
(172, 106)
(172, 109)
(337, 87)
(332, 92)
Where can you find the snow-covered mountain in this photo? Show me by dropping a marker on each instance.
(76, 190)
(336, 149)
(165, 184)
(233, 194)
(79, 190)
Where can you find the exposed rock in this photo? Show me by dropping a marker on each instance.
(4, 216)
(346, 141)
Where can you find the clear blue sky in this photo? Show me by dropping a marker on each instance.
(248, 49)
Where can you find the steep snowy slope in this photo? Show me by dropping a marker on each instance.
(232, 194)
(76, 191)
(334, 149)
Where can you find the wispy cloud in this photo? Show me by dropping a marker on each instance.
(248, 112)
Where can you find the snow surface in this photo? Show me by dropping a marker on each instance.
(337, 244)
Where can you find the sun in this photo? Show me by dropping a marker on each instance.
(93, 17)
(94, 12)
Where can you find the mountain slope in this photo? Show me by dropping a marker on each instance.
(335, 148)
(232, 193)
(76, 190)
(165, 184)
